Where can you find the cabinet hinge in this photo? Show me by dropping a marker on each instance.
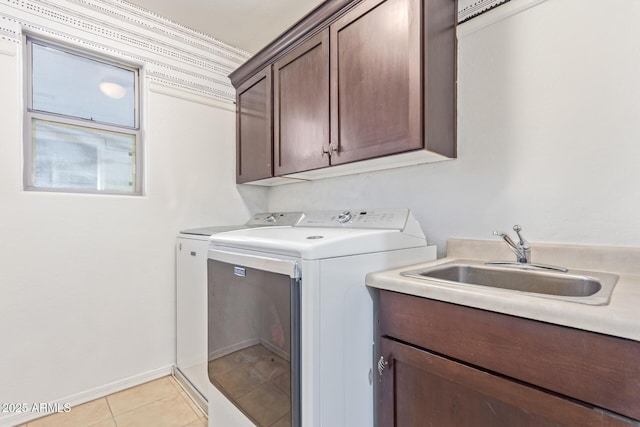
(382, 364)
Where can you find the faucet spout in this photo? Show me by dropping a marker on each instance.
(522, 249)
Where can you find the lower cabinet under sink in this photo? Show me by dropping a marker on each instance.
(447, 365)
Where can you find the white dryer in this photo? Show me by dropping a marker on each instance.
(291, 320)
(191, 299)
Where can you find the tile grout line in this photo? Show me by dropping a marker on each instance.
(113, 417)
(144, 405)
(175, 391)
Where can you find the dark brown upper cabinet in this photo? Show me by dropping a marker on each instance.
(376, 80)
(353, 81)
(253, 128)
(301, 107)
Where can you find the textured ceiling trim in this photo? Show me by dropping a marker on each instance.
(128, 12)
(504, 11)
(476, 8)
(170, 53)
(177, 55)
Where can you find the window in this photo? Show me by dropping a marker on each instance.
(82, 122)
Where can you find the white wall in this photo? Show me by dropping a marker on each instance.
(87, 290)
(548, 134)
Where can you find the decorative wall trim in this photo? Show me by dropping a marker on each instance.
(8, 48)
(165, 27)
(173, 55)
(505, 11)
(169, 52)
(8, 30)
(188, 95)
(467, 9)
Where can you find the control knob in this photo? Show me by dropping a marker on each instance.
(344, 217)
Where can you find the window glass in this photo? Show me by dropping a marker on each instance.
(75, 157)
(68, 84)
(82, 131)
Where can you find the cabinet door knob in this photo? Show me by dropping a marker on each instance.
(329, 150)
(382, 364)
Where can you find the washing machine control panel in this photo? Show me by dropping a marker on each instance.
(357, 218)
(274, 218)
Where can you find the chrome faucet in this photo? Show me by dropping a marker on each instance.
(522, 249)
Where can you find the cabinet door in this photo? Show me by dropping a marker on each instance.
(254, 139)
(376, 89)
(301, 107)
(418, 389)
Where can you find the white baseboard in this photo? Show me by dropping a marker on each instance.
(12, 420)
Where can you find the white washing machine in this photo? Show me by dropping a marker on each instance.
(291, 320)
(191, 299)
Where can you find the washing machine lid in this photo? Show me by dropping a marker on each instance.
(330, 234)
(210, 231)
(262, 219)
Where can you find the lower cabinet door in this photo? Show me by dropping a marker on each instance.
(420, 389)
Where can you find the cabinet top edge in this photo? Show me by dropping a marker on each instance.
(309, 24)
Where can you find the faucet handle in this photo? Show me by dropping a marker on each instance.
(523, 242)
(522, 249)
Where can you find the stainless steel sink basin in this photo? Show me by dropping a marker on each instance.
(586, 287)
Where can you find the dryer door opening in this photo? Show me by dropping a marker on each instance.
(254, 341)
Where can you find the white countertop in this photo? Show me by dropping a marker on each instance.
(621, 317)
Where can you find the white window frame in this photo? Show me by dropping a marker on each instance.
(30, 114)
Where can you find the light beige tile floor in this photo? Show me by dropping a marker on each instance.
(159, 403)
